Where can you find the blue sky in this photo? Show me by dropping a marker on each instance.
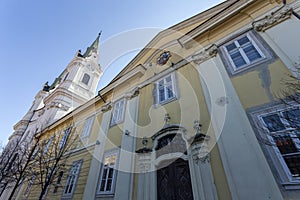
(39, 38)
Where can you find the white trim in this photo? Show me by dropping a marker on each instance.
(118, 112)
(114, 152)
(70, 194)
(274, 152)
(262, 51)
(95, 166)
(88, 124)
(172, 83)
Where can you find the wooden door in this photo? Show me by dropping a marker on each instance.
(174, 181)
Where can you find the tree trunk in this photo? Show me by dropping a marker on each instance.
(3, 189)
(14, 190)
(44, 190)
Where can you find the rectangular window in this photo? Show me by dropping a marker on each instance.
(244, 52)
(30, 184)
(65, 137)
(164, 89)
(108, 174)
(118, 112)
(58, 181)
(47, 145)
(72, 178)
(87, 127)
(283, 131)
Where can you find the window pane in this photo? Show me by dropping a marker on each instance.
(161, 94)
(231, 47)
(111, 172)
(285, 144)
(170, 93)
(168, 79)
(251, 52)
(112, 160)
(293, 163)
(108, 185)
(106, 162)
(102, 187)
(104, 173)
(237, 59)
(273, 123)
(243, 40)
(292, 117)
(86, 79)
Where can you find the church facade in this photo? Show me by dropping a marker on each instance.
(195, 115)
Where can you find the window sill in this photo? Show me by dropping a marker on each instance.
(165, 102)
(116, 123)
(104, 195)
(295, 185)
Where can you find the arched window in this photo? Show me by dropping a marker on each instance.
(66, 76)
(86, 79)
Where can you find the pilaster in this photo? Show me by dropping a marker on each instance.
(93, 175)
(248, 171)
(127, 153)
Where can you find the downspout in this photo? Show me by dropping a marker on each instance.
(293, 12)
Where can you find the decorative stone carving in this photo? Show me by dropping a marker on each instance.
(205, 54)
(163, 58)
(222, 101)
(144, 162)
(199, 145)
(270, 20)
(167, 119)
(106, 107)
(133, 93)
(59, 105)
(200, 152)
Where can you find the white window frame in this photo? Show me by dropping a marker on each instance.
(47, 146)
(166, 85)
(87, 127)
(58, 182)
(72, 179)
(256, 43)
(114, 176)
(118, 112)
(65, 137)
(29, 186)
(278, 160)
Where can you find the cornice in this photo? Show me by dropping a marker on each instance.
(231, 9)
(274, 18)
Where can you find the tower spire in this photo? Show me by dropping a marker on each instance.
(93, 48)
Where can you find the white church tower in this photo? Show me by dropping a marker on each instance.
(74, 86)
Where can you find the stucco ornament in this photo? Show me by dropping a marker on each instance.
(199, 145)
(274, 18)
(59, 105)
(163, 58)
(144, 162)
(106, 107)
(133, 93)
(205, 54)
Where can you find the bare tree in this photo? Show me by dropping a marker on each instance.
(52, 157)
(8, 164)
(18, 165)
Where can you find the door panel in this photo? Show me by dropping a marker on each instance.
(174, 182)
